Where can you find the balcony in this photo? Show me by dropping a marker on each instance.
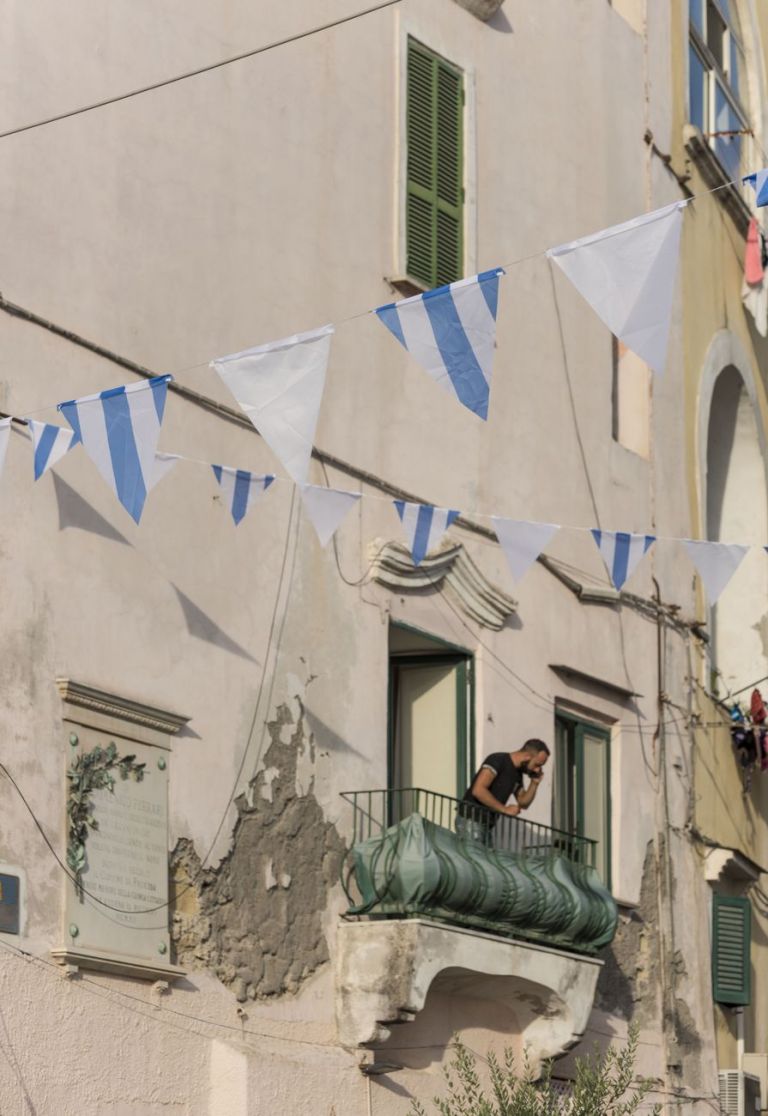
(415, 852)
(448, 894)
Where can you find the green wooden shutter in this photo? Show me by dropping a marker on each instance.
(731, 940)
(435, 191)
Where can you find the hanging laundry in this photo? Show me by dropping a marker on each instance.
(757, 710)
(754, 291)
(763, 742)
(753, 256)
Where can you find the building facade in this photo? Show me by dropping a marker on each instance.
(272, 705)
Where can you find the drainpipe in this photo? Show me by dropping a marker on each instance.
(739, 1013)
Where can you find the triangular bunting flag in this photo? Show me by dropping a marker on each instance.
(451, 332)
(280, 388)
(241, 488)
(621, 552)
(759, 182)
(326, 508)
(522, 542)
(164, 462)
(715, 562)
(627, 275)
(51, 443)
(119, 429)
(424, 526)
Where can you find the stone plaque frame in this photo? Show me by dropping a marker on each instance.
(127, 855)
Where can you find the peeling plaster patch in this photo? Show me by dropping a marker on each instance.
(264, 941)
(630, 979)
(268, 776)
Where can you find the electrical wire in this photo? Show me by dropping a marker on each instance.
(182, 891)
(197, 72)
(88, 985)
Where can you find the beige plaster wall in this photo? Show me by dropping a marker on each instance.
(231, 210)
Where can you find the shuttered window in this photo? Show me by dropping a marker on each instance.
(731, 938)
(435, 186)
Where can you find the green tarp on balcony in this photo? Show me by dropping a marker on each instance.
(418, 868)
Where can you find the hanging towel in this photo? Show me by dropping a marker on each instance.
(753, 256)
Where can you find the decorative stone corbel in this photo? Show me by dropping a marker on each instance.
(450, 570)
(385, 970)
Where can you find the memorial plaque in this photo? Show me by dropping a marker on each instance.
(121, 909)
(9, 904)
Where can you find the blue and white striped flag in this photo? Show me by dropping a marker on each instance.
(451, 332)
(621, 552)
(119, 429)
(51, 443)
(759, 181)
(424, 526)
(241, 488)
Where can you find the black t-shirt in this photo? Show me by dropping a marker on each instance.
(508, 780)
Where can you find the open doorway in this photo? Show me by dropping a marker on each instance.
(431, 713)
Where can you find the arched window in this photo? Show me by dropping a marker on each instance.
(737, 512)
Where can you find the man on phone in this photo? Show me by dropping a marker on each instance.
(500, 778)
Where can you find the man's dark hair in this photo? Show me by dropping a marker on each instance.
(535, 746)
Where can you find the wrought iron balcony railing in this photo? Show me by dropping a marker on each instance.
(417, 852)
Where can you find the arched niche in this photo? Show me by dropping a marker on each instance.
(734, 505)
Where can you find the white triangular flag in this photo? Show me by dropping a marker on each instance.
(164, 462)
(326, 508)
(280, 388)
(522, 542)
(715, 562)
(627, 275)
(51, 442)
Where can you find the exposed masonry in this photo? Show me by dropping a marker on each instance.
(630, 981)
(630, 978)
(256, 920)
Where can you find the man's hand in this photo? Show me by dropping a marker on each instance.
(511, 811)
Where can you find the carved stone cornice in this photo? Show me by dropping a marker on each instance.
(483, 9)
(450, 570)
(112, 705)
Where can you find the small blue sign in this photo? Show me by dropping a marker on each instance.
(9, 904)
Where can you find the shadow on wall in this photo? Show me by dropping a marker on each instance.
(499, 22)
(326, 740)
(201, 626)
(76, 512)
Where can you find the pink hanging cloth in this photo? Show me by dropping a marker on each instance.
(753, 256)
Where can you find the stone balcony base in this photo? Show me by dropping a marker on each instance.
(385, 969)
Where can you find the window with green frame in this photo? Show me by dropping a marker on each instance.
(582, 798)
(731, 946)
(434, 201)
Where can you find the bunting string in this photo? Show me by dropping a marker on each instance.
(626, 273)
